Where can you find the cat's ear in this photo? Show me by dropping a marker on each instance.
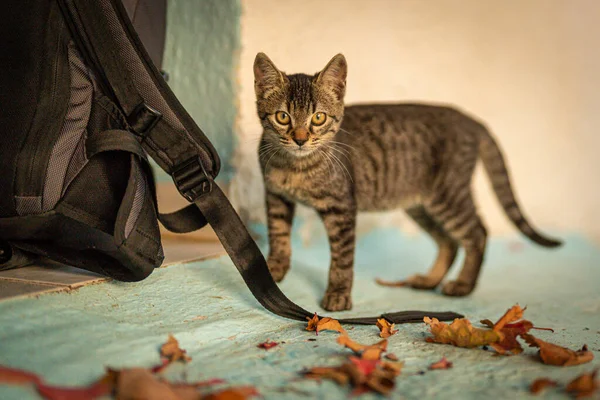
(333, 76)
(267, 77)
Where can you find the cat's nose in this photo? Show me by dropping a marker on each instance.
(300, 141)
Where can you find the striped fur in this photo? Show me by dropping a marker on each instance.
(371, 158)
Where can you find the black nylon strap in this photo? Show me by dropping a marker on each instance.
(251, 264)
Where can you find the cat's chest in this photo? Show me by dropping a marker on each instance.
(292, 185)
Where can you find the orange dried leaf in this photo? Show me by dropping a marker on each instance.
(515, 313)
(371, 352)
(139, 383)
(390, 283)
(395, 367)
(333, 373)
(391, 356)
(386, 329)
(540, 384)
(442, 364)
(552, 354)
(461, 333)
(366, 367)
(323, 324)
(329, 324)
(312, 322)
(171, 351)
(584, 385)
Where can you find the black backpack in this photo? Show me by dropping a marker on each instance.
(82, 106)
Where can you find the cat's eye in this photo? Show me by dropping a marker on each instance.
(318, 118)
(282, 117)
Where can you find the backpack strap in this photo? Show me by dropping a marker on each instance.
(169, 135)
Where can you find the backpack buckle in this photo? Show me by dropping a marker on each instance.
(191, 179)
(143, 119)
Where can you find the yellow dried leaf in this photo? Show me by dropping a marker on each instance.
(461, 333)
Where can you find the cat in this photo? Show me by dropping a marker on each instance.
(342, 160)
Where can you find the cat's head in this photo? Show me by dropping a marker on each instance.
(300, 112)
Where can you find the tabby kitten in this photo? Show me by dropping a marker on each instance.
(342, 160)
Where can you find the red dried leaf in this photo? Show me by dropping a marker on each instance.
(171, 351)
(584, 385)
(552, 354)
(540, 384)
(515, 313)
(235, 393)
(267, 345)
(386, 329)
(442, 364)
(13, 376)
(381, 282)
(366, 367)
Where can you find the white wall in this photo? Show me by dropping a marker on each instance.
(528, 68)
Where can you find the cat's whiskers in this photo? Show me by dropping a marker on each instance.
(347, 132)
(341, 164)
(267, 165)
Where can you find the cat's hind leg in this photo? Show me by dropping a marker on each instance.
(447, 248)
(463, 224)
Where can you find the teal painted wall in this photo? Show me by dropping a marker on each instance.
(201, 57)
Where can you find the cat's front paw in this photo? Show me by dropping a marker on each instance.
(337, 301)
(458, 288)
(278, 269)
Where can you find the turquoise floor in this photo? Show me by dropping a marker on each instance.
(70, 337)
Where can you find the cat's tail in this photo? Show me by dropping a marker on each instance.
(497, 171)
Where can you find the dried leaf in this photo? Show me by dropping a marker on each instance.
(395, 367)
(461, 333)
(171, 351)
(515, 313)
(584, 385)
(381, 381)
(139, 383)
(391, 356)
(333, 373)
(267, 345)
(312, 322)
(442, 364)
(386, 329)
(366, 367)
(390, 283)
(235, 393)
(540, 384)
(372, 352)
(324, 324)
(13, 376)
(511, 332)
(552, 354)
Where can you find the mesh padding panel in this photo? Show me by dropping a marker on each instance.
(138, 201)
(73, 129)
